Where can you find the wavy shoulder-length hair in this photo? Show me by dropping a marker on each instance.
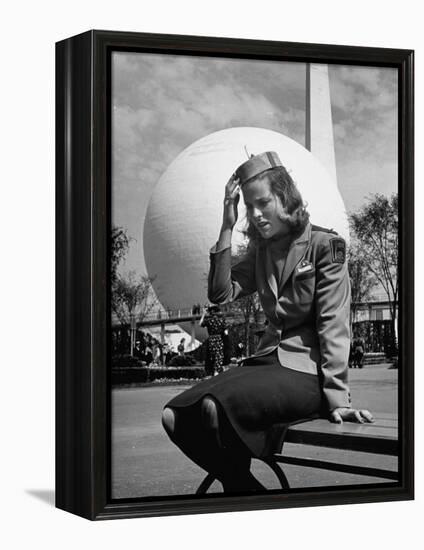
(295, 214)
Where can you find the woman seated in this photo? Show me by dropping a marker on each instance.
(299, 370)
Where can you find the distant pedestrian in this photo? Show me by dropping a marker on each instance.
(226, 338)
(165, 353)
(181, 347)
(239, 350)
(213, 320)
(358, 352)
(138, 352)
(148, 350)
(157, 353)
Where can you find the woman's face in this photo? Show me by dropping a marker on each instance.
(264, 208)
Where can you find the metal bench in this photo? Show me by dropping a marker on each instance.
(378, 438)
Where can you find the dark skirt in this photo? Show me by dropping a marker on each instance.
(257, 401)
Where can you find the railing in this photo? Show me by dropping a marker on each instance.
(181, 313)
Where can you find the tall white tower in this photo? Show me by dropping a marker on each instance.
(319, 138)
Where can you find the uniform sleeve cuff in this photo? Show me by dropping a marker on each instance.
(336, 401)
(215, 250)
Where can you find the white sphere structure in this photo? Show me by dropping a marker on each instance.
(185, 210)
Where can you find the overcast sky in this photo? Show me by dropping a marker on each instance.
(161, 104)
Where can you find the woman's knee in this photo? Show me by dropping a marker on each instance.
(210, 413)
(168, 420)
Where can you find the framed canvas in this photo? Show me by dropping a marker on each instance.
(166, 147)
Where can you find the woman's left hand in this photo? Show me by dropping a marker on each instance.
(351, 415)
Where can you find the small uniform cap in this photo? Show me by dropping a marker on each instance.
(256, 165)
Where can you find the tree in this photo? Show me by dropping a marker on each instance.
(133, 297)
(120, 243)
(249, 306)
(375, 226)
(362, 280)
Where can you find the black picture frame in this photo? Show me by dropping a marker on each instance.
(82, 252)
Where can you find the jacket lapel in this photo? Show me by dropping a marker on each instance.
(295, 254)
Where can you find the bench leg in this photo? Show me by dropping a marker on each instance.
(284, 482)
(209, 479)
(206, 483)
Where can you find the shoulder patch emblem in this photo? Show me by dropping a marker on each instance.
(338, 250)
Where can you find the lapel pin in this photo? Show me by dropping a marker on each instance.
(304, 266)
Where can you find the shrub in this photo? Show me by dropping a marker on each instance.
(175, 373)
(182, 361)
(126, 361)
(142, 374)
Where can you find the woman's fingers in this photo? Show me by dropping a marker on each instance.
(336, 417)
(231, 200)
(232, 188)
(232, 195)
(367, 415)
(357, 416)
(352, 415)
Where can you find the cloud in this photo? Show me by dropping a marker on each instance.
(364, 107)
(163, 103)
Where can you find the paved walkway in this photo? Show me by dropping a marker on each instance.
(145, 463)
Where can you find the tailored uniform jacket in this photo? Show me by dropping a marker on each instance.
(307, 303)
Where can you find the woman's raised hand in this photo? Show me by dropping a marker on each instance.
(231, 200)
